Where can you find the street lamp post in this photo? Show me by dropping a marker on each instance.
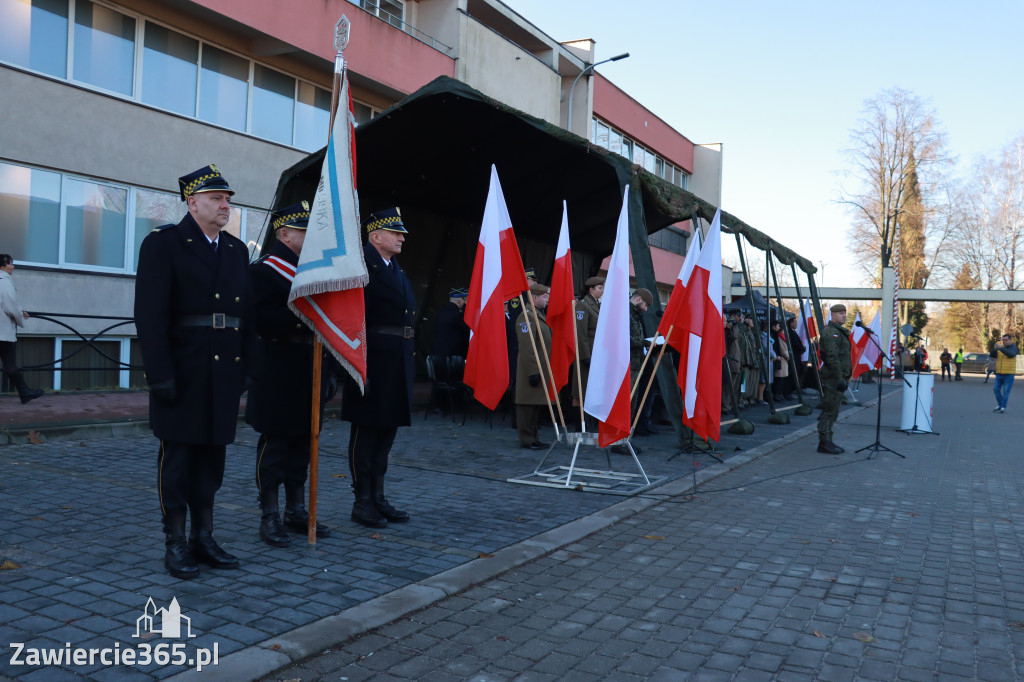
(568, 122)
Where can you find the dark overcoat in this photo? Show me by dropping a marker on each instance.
(526, 364)
(180, 275)
(451, 333)
(280, 401)
(390, 369)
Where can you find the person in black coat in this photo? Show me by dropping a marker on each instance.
(280, 401)
(193, 313)
(451, 333)
(387, 403)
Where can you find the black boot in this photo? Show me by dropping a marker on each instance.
(271, 531)
(296, 518)
(827, 447)
(383, 506)
(364, 511)
(27, 394)
(204, 548)
(178, 561)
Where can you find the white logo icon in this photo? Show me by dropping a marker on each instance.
(170, 621)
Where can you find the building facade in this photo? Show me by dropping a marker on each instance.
(107, 103)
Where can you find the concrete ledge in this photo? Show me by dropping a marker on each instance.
(250, 663)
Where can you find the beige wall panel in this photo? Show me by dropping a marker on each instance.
(80, 293)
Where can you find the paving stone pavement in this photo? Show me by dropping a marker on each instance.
(795, 566)
(81, 547)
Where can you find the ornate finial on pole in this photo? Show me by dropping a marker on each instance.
(341, 30)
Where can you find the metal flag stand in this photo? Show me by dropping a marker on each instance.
(589, 480)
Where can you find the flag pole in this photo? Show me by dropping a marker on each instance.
(547, 361)
(536, 355)
(341, 30)
(579, 377)
(650, 382)
(642, 366)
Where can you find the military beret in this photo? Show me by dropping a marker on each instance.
(538, 289)
(295, 216)
(645, 295)
(594, 282)
(838, 308)
(389, 219)
(206, 179)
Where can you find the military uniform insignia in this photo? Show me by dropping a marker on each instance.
(579, 315)
(524, 328)
(514, 303)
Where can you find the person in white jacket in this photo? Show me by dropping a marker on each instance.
(11, 318)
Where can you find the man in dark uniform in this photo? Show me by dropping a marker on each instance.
(387, 402)
(193, 313)
(451, 333)
(836, 368)
(512, 311)
(280, 402)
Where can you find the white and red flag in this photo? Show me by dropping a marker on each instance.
(871, 357)
(808, 331)
(498, 276)
(560, 315)
(608, 384)
(327, 292)
(702, 323)
(858, 342)
(673, 317)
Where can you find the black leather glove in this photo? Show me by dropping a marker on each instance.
(534, 380)
(164, 391)
(842, 386)
(330, 387)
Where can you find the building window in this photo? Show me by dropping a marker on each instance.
(153, 209)
(223, 88)
(614, 141)
(312, 116)
(34, 35)
(170, 68)
(95, 224)
(104, 48)
(391, 11)
(30, 213)
(273, 104)
(363, 113)
(47, 218)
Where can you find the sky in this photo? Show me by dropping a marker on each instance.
(782, 85)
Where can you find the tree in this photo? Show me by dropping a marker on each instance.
(989, 239)
(965, 325)
(898, 158)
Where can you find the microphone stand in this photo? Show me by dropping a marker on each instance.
(877, 445)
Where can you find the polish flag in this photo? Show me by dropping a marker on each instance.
(702, 324)
(560, 311)
(871, 357)
(608, 387)
(498, 276)
(858, 341)
(673, 317)
(808, 331)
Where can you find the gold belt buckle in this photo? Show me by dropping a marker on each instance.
(219, 321)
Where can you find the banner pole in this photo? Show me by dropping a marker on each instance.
(650, 381)
(579, 377)
(536, 355)
(547, 361)
(341, 33)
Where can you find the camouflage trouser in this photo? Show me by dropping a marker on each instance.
(831, 399)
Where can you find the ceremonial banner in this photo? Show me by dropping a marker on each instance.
(498, 276)
(560, 309)
(858, 342)
(608, 385)
(673, 317)
(871, 358)
(808, 331)
(327, 292)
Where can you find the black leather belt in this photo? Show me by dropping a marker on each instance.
(404, 332)
(215, 320)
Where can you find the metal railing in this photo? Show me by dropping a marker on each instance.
(405, 27)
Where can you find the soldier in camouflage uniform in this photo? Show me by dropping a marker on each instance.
(837, 366)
